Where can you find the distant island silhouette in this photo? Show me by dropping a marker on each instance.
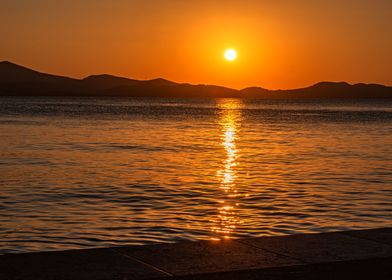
(16, 80)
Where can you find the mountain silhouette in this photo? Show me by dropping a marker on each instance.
(16, 80)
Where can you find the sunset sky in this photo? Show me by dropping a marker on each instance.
(279, 44)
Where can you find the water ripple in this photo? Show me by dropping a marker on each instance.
(81, 173)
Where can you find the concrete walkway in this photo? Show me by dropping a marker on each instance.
(365, 254)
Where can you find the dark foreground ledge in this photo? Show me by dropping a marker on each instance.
(364, 254)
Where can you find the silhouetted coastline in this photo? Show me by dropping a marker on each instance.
(16, 80)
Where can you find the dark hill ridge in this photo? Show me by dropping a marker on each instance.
(16, 80)
(12, 73)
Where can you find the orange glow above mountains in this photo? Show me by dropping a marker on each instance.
(282, 44)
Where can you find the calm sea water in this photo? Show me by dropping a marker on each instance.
(79, 173)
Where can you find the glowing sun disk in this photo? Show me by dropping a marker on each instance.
(230, 54)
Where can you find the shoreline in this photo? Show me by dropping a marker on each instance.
(333, 255)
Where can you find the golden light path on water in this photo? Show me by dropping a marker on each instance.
(116, 172)
(227, 219)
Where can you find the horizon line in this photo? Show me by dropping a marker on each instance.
(197, 84)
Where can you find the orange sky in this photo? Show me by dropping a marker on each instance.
(280, 44)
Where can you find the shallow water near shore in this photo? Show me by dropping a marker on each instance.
(91, 172)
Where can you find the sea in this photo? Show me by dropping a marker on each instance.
(97, 172)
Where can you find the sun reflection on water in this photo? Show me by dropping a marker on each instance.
(227, 219)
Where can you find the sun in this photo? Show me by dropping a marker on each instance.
(230, 54)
